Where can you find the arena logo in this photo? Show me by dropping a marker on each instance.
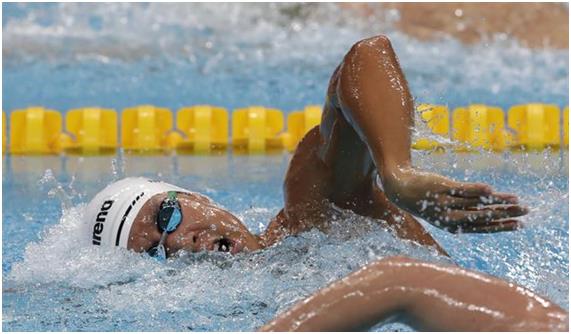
(101, 216)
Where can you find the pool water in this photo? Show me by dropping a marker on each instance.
(63, 56)
(48, 265)
(54, 279)
(280, 55)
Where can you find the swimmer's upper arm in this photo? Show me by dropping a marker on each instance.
(375, 99)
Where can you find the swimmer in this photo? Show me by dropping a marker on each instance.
(426, 297)
(357, 159)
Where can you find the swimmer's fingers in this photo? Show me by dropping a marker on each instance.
(492, 227)
(448, 201)
(501, 198)
(467, 189)
(455, 219)
(490, 213)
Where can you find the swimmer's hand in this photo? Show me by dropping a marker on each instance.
(450, 205)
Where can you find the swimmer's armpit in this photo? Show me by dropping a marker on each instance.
(425, 296)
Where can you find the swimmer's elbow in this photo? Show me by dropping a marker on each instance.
(372, 43)
(362, 58)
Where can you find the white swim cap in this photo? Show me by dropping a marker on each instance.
(111, 213)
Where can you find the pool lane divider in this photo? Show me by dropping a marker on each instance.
(479, 126)
(35, 130)
(204, 129)
(90, 131)
(256, 129)
(200, 129)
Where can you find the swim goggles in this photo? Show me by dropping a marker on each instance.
(169, 218)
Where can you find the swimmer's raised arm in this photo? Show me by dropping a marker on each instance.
(425, 296)
(374, 97)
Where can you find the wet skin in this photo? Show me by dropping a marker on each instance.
(204, 226)
(365, 133)
(427, 297)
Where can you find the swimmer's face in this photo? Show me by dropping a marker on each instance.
(204, 226)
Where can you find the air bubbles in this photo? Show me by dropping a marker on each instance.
(424, 205)
(48, 177)
(296, 26)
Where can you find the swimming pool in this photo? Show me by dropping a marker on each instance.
(53, 281)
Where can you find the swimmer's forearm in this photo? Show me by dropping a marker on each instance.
(424, 295)
(356, 302)
(449, 298)
(374, 97)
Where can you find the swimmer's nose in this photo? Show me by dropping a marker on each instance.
(201, 241)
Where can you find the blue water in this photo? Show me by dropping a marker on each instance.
(53, 279)
(117, 55)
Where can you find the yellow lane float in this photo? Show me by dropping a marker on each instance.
(536, 126)
(204, 129)
(91, 131)
(299, 123)
(3, 132)
(479, 126)
(437, 119)
(35, 130)
(566, 127)
(146, 128)
(256, 129)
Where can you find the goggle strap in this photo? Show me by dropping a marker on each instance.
(159, 252)
(163, 238)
